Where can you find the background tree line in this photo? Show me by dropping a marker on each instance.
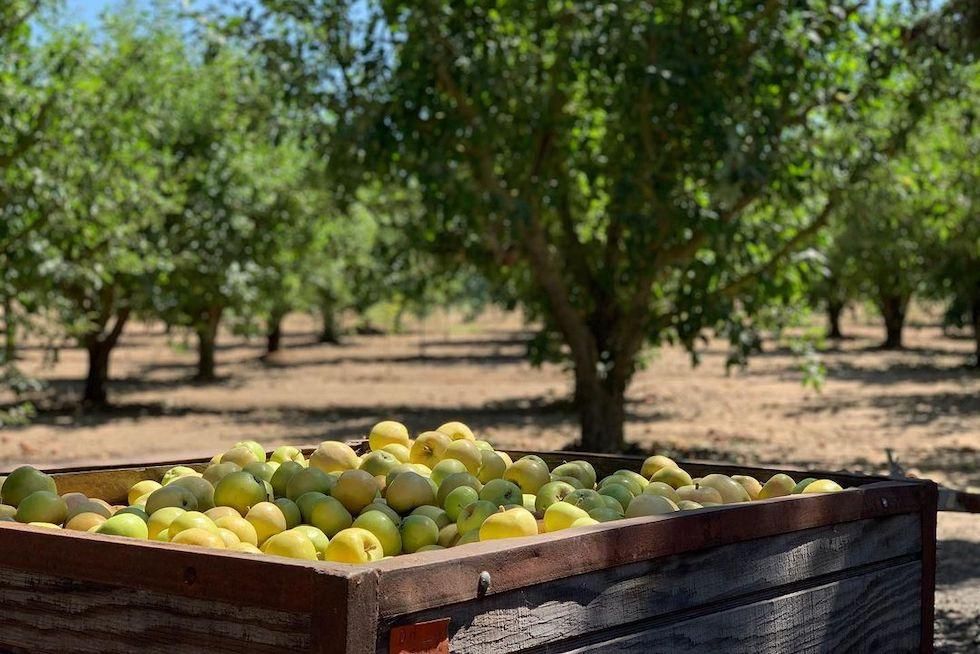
(629, 174)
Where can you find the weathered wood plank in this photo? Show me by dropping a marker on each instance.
(927, 524)
(164, 567)
(417, 582)
(536, 615)
(875, 613)
(42, 613)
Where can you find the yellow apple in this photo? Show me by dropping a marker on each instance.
(456, 431)
(429, 448)
(660, 488)
(467, 453)
(240, 527)
(354, 545)
(822, 486)
(190, 520)
(400, 452)
(387, 432)
(141, 488)
(750, 484)
(655, 463)
(511, 523)
(644, 505)
(698, 493)
(731, 491)
(561, 515)
(584, 522)
(84, 521)
(268, 520)
(673, 477)
(292, 544)
(199, 537)
(333, 456)
(777, 486)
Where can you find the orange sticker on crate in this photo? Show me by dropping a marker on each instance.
(421, 638)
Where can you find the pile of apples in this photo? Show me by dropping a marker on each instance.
(443, 489)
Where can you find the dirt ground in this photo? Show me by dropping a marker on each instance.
(923, 403)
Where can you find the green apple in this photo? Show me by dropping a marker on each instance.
(634, 486)
(660, 488)
(261, 470)
(561, 515)
(801, 485)
(285, 453)
(408, 491)
(619, 492)
(553, 491)
(399, 469)
(454, 481)
(307, 501)
(354, 545)
(483, 445)
(605, 514)
(445, 468)
(309, 480)
(571, 481)
(511, 523)
(459, 498)
(290, 511)
(172, 496)
(438, 516)
(492, 466)
(125, 524)
(282, 475)
(378, 463)
(214, 472)
(673, 477)
(689, 505)
(528, 473)
(22, 482)
(612, 503)
(586, 499)
(429, 448)
(42, 506)
(644, 505)
(384, 529)
(81, 522)
(136, 511)
(698, 493)
(355, 489)
(502, 492)
(472, 536)
(330, 516)
(333, 456)
(654, 463)
(417, 532)
(731, 491)
(239, 490)
(448, 535)
(200, 488)
(581, 470)
(777, 486)
(472, 515)
(380, 505)
(640, 479)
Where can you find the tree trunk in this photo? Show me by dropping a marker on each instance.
(975, 314)
(331, 330)
(207, 335)
(273, 337)
(99, 346)
(9, 331)
(834, 310)
(601, 405)
(893, 311)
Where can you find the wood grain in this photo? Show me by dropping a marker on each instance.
(43, 613)
(420, 581)
(874, 613)
(535, 615)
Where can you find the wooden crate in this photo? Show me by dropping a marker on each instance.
(848, 572)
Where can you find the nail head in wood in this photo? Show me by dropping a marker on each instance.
(484, 583)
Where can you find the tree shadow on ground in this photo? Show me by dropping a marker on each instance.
(898, 373)
(902, 410)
